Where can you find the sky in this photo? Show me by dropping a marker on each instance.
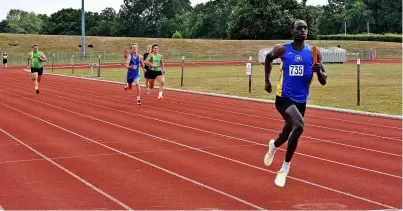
(52, 6)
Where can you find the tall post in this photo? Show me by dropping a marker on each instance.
(53, 61)
(99, 66)
(367, 27)
(249, 72)
(358, 80)
(183, 66)
(82, 30)
(72, 64)
(345, 27)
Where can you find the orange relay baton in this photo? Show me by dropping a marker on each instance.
(315, 54)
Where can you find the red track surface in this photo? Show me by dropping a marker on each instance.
(186, 152)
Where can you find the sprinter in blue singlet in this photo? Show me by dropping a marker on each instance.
(133, 63)
(296, 74)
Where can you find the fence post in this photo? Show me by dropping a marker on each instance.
(358, 80)
(99, 66)
(53, 61)
(72, 64)
(183, 66)
(249, 72)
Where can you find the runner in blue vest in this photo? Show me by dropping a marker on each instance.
(296, 74)
(133, 62)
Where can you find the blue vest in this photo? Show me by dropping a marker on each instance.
(296, 74)
(135, 62)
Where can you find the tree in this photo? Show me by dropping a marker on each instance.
(22, 22)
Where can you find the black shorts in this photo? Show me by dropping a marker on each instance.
(147, 74)
(153, 74)
(282, 103)
(4, 61)
(37, 70)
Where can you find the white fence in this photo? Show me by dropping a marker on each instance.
(329, 55)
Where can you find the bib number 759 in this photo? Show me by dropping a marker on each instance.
(296, 70)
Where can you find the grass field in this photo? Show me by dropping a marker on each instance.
(111, 48)
(381, 84)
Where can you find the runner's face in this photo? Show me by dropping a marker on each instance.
(134, 49)
(155, 49)
(300, 31)
(35, 48)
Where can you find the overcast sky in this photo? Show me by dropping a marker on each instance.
(51, 6)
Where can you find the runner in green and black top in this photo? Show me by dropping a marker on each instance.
(155, 61)
(35, 63)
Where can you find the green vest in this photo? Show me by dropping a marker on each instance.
(36, 61)
(156, 60)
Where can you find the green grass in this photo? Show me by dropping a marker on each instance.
(381, 84)
(111, 48)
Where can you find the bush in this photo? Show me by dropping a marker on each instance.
(177, 35)
(363, 37)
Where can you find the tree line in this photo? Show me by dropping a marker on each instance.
(217, 19)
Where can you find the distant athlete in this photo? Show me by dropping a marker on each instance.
(155, 61)
(35, 63)
(296, 75)
(5, 59)
(133, 63)
(147, 70)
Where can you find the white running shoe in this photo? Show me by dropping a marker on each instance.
(281, 178)
(268, 158)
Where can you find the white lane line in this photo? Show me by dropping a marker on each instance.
(67, 171)
(184, 91)
(218, 134)
(196, 149)
(111, 154)
(240, 124)
(143, 161)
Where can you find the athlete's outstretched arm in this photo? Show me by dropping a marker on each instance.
(128, 62)
(162, 64)
(277, 52)
(43, 57)
(29, 59)
(142, 63)
(320, 70)
(147, 62)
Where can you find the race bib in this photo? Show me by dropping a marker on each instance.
(296, 70)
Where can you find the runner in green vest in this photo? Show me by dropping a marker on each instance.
(155, 61)
(35, 63)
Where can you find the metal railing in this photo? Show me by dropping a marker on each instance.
(201, 55)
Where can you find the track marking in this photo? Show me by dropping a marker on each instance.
(277, 119)
(316, 116)
(232, 97)
(111, 154)
(67, 171)
(218, 134)
(340, 110)
(271, 110)
(196, 149)
(140, 160)
(219, 120)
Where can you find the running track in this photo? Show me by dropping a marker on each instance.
(86, 145)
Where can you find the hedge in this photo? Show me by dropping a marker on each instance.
(363, 37)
